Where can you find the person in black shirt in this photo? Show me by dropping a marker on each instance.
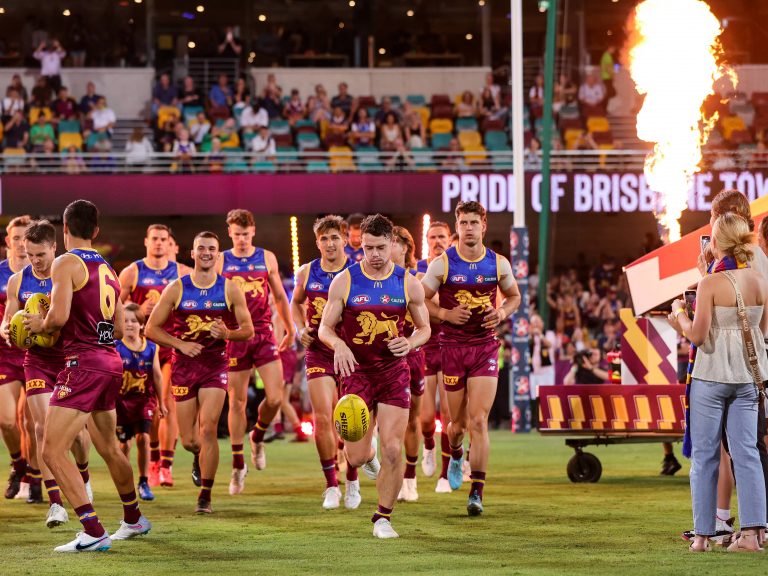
(585, 369)
(230, 46)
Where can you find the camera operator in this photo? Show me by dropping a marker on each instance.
(585, 369)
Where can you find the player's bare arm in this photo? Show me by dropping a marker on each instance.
(244, 330)
(343, 360)
(11, 304)
(431, 283)
(509, 289)
(66, 273)
(157, 374)
(118, 322)
(281, 301)
(162, 311)
(298, 307)
(127, 280)
(421, 329)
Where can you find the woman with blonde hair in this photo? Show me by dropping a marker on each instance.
(726, 380)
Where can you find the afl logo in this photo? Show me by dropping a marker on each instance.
(458, 278)
(233, 268)
(521, 269)
(147, 281)
(521, 327)
(189, 304)
(26, 296)
(315, 286)
(361, 299)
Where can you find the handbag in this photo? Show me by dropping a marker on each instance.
(746, 332)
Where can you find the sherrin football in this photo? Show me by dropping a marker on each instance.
(17, 334)
(37, 304)
(351, 418)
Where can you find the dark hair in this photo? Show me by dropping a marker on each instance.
(355, 219)
(18, 221)
(470, 208)
(764, 230)
(377, 225)
(439, 224)
(205, 234)
(161, 227)
(328, 223)
(136, 309)
(82, 218)
(404, 237)
(241, 217)
(40, 232)
(733, 201)
(172, 235)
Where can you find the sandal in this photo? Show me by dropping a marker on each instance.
(692, 549)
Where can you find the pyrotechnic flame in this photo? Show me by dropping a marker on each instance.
(674, 58)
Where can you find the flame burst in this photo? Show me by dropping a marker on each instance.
(674, 60)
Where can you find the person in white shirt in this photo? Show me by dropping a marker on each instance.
(199, 127)
(50, 55)
(138, 148)
(592, 92)
(263, 145)
(253, 118)
(12, 102)
(104, 118)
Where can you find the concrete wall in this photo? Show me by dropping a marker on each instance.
(128, 90)
(376, 82)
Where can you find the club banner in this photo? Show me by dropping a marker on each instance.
(520, 394)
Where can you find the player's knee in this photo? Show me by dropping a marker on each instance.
(208, 431)
(356, 460)
(190, 445)
(322, 422)
(273, 402)
(413, 426)
(7, 424)
(479, 422)
(39, 432)
(237, 402)
(391, 453)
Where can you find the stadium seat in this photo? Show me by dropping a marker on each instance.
(502, 162)
(306, 140)
(235, 164)
(441, 126)
(366, 155)
(317, 166)
(441, 140)
(248, 138)
(167, 114)
(603, 138)
(371, 167)
(14, 156)
(492, 124)
(366, 101)
(191, 112)
(282, 139)
(739, 137)
(470, 139)
(305, 125)
(416, 99)
(424, 159)
(263, 166)
(572, 137)
(466, 124)
(570, 124)
(569, 111)
(424, 113)
(442, 111)
(35, 112)
(278, 126)
(69, 127)
(68, 139)
(598, 124)
(494, 139)
(287, 155)
(440, 99)
(93, 138)
(475, 154)
(396, 101)
(372, 111)
(730, 124)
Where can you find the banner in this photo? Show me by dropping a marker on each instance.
(520, 364)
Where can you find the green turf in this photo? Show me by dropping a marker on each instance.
(536, 522)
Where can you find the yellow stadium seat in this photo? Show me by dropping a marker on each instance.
(166, 113)
(474, 154)
(598, 124)
(341, 159)
(424, 113)
(571, 137)
(730, 124)
(232, 142)
(340, 152)
(470, 138)
(441, 126)
(34, 114)
(69, 139)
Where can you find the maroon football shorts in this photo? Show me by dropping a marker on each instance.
(189, 376)
(289, 359)
(86, 390)
(40, 376)
(431, 358)
(460, 363)
(319, 364)
(386, 385)
(415, 361)
(253, 353)
(11, 360)
(134, 409)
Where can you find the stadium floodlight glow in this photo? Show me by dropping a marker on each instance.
(426, 221)
(481, 3)
(307, 428)
(409, 13)
(67, 12)
(341, 25)
(468, 36)
(438, 426)
(295, 244)
(382, 51)
(351, 3)
(262, 17)
(200, 8)
(2, 10)
(137, 1)
(191, 44)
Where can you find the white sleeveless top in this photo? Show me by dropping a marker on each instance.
(722, 358)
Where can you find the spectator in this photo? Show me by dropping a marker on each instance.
(227, 133)
(263, 145)
(77, 40)
(254, 117)
(415, 132)
(40, 132)
(41, 94)
(603, 277)
(386, 108)
(454, 159)
(271, 103)
(533, 155)
(64, 107)
(230, 46)
(138, 149)
(12, 103)
(215, 158)
(47, 162)
(294, 109)
(19, 87)
(321, 109)
(363, 130)
(586, 369)
(50, 54)
(273, 85)
(493, 87)
(242, 98)
(220, 94)
(88, 102)
(183, 153)
(164, 94)
(591, 93)
(606, 71)
(16, 131)
(609, 339)
(542, 348)
(570, 314)
(401, 156)
(103, 118)
(586, 142)
(466, 108)
(102, 160)
(565, 92)
(338, 123)
(490, 107)
(342, 100)
(190, 95)
(199, 128)
(73, 162)
(391, 133)
(536, 97)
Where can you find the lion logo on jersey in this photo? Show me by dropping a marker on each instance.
(319, 305)
(372, 327)
(197, 326)
(133, 384)
(153, 296)
(465, 298)
(253, 285)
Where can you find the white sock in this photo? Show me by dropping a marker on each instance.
(723, 514)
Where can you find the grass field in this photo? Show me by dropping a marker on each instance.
(536, 522)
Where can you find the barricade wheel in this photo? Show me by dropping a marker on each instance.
(584, 467)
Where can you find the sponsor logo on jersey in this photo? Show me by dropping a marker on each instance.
(148, 281)
(232, 362)
(315, 286)
(251, 267)
(26, 295)
(179, 390)
(450, 380)
(232, 268)
(361, 299)
(106, 332)
(188, 304)
(316, 370)
(36, 384)
(458, 278)
(515, 353)
(208, 304)
(479, 278)
(385, 299)
(63, 391)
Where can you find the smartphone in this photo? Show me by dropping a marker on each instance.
(690, 299)
(704, 242)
